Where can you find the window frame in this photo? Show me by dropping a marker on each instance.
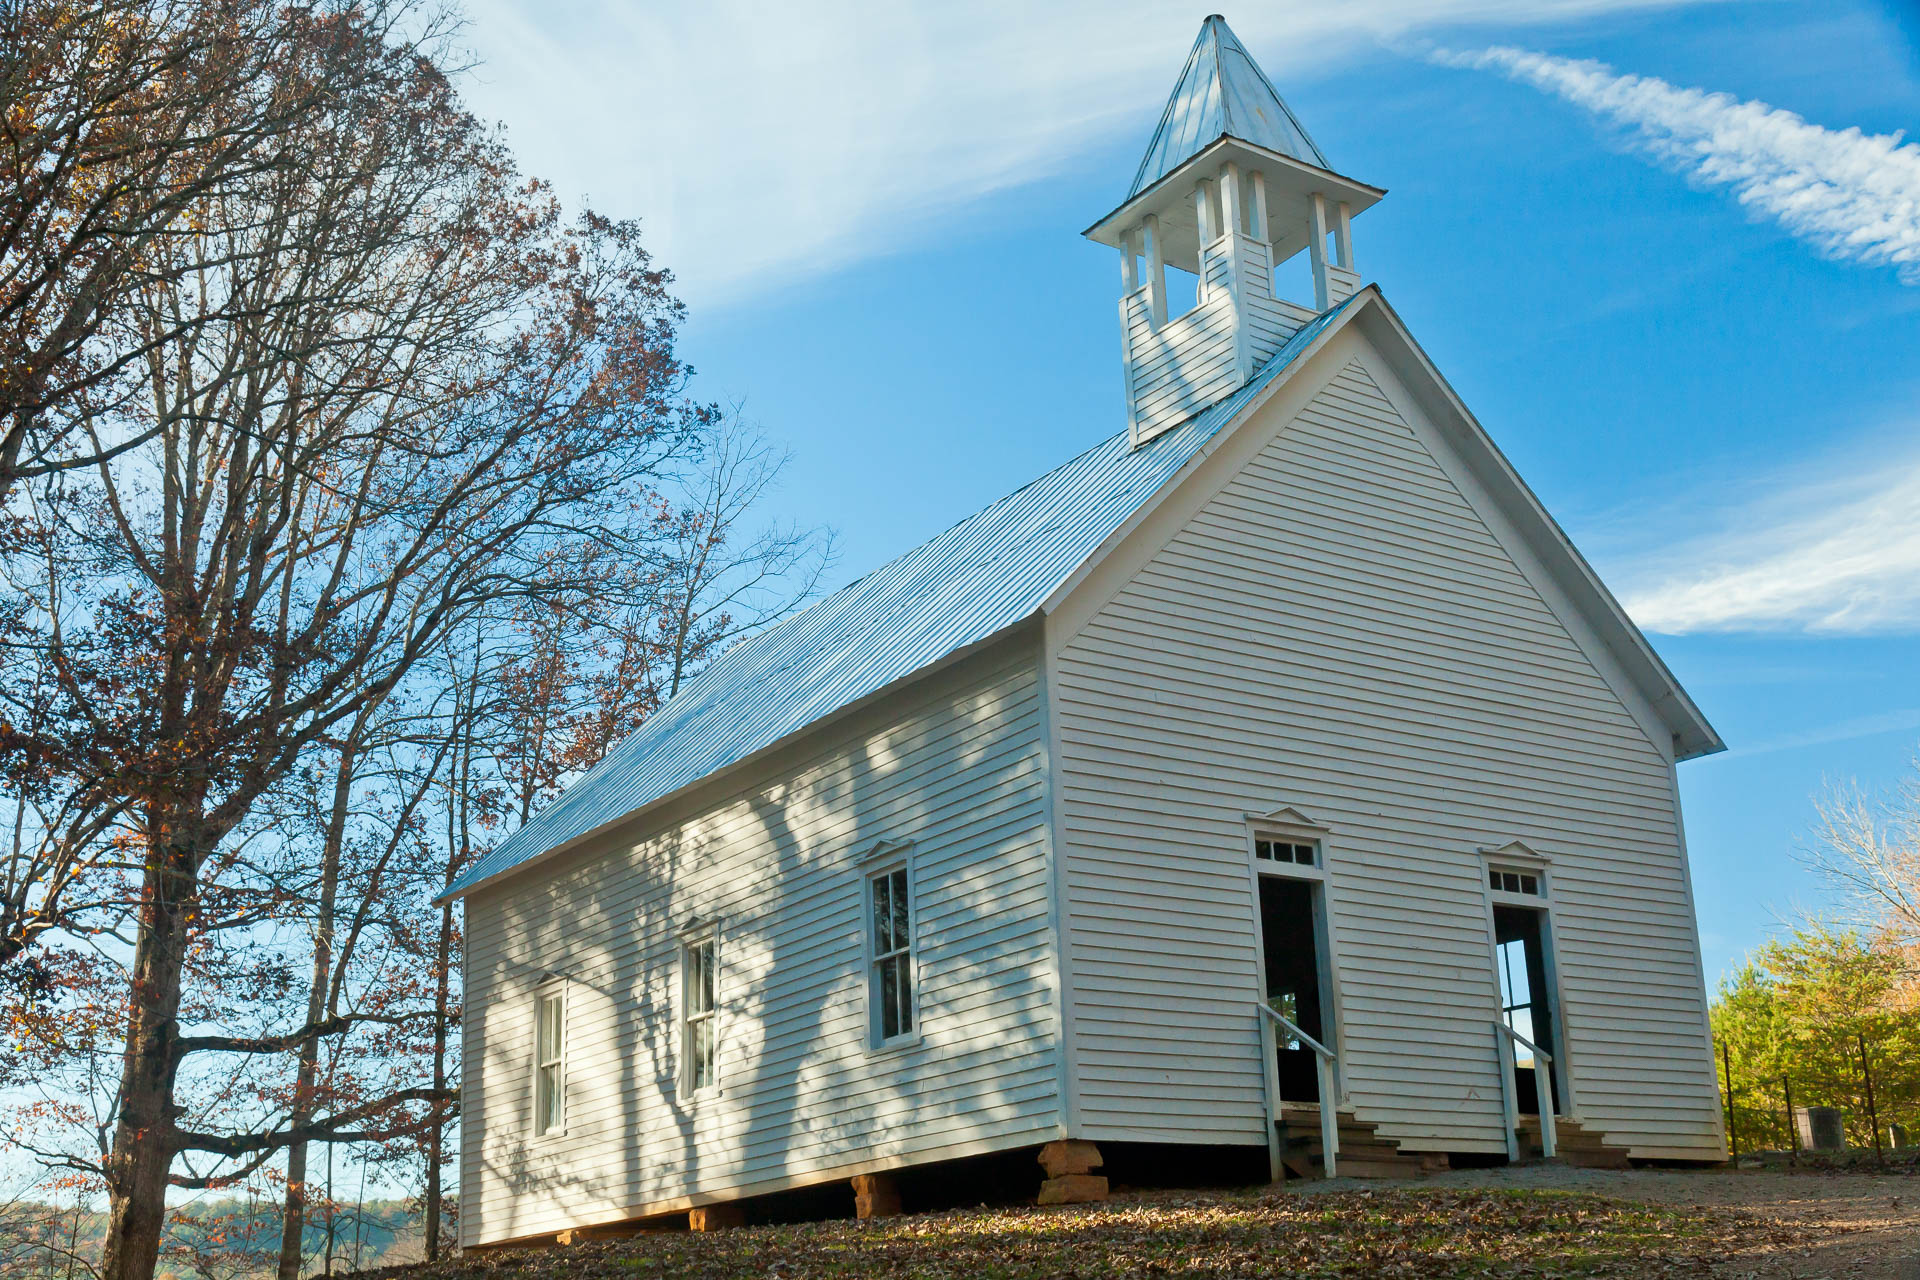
(552, 990)
(1312, 869)
(1519, 857)
(883, 861)
(687, 1019)
(1291, 826)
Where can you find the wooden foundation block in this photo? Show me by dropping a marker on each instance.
(875, 1195)
(1068, 1157)
(604, 1231)
(1073, 1188)
(715, 1217)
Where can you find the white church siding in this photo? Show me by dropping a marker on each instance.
(1178, 368)
(1270, 320)
(1338, 630)
(774, 858)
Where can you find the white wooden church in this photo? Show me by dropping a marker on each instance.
(1274, 775)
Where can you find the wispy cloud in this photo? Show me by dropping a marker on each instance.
(1839, 554)
(767, 144)
(1901, 720)
(1854, 196)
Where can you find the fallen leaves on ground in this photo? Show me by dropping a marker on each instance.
(1264, 1233)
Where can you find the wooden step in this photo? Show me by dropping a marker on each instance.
(1573, 1145)
(1363, 1153)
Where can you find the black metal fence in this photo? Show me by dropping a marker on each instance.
(1877, 1101)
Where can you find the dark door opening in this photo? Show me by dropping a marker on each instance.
(1526, 999)
(1293, 971)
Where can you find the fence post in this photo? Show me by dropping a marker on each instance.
(1873, 1117)
(1793, 1128)
(1733, 1134)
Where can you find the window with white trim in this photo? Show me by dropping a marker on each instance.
(1298, 852)
(890, 971)
(699, 1013)
(1514, 880)
(549, 1061)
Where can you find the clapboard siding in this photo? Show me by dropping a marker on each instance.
(1338, 630)
(954, 765)
(1269, 322)
(1176, 369)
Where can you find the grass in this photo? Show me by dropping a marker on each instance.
(1261, 1233)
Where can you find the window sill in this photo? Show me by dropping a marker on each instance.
(899, 1044)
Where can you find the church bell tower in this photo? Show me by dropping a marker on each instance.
(1231, 188)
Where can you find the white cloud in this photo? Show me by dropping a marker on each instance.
(769, 143)
(1835, 555)
(1854, 196)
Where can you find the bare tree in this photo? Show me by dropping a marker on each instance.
(351, 497)
(1868, 848)
(586, 669)
(547, 692)
(725, 579)
(375, 876)
(120, 122)
(422, 383)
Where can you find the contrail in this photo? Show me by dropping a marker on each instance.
(1854, 196)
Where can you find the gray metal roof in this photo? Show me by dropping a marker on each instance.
(979, 577)
(1222, 91)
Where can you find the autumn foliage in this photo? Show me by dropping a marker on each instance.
(354, 501)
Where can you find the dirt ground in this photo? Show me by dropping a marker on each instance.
(1864, 1226)
(1531, 1221)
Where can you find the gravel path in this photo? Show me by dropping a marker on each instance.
(1867, 1227)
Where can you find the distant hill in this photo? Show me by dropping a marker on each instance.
(230, 1239)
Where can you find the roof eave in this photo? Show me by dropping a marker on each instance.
(1693, 735)
(745, 762)
(1359, 195)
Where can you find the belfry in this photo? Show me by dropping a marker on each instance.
(1231, 187)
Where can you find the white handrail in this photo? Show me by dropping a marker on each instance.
(1323, 1060)
(1506, 1038)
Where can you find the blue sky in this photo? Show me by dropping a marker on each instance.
(1693, 322)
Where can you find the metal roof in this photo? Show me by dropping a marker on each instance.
(1221, 92)
(978, 578)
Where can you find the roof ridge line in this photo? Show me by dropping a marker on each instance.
(1166, 112)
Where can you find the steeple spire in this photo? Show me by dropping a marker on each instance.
(1231, 186)
(1222, 93)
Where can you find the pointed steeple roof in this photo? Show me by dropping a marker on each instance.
(1221, 92)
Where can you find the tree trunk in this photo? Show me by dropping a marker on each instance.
(436, 1135)
(293, 1218)
(307, 1073)
(460, 773)
(144, 1135)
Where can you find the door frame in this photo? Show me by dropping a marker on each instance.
(1289, 824)
(1517, 856)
